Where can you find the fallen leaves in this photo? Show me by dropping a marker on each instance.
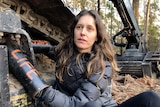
(124, 87)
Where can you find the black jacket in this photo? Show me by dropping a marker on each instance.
(76, 89)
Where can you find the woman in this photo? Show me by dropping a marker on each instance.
(85, 66)
(85, 61)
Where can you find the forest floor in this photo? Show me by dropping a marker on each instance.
(124, 87)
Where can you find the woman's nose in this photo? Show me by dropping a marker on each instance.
(83, 32)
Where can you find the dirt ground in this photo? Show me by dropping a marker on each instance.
(124, 87)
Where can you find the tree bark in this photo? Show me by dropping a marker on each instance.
(146, 24)
(136, 9)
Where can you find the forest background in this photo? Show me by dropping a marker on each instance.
(146, 12)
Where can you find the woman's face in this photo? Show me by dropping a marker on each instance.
(85, 33)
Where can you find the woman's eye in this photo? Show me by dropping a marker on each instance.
(90, 28)
(78, 27)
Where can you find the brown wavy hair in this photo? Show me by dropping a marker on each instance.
(102, 49)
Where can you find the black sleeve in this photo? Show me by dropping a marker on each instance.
(89, 91)
(48, 50)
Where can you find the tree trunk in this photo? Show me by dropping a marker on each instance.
(146, 24)
(83, 4)
(136, 8)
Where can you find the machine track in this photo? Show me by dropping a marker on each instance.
(12, 93)
(33, 20)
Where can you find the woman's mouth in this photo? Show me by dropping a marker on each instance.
(81, 39)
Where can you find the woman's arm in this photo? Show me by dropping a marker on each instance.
(90, 90)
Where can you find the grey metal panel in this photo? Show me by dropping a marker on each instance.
(4, 73)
